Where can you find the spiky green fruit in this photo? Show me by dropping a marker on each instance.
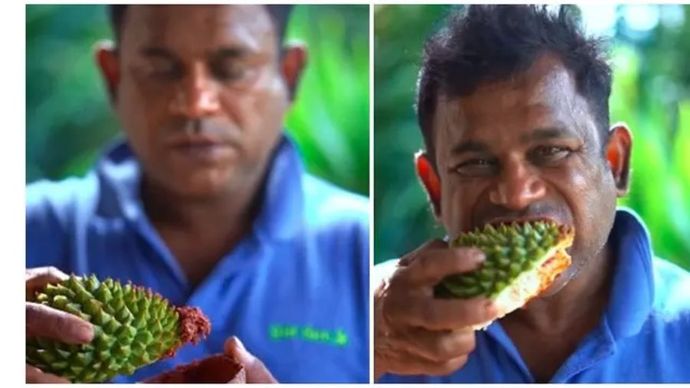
(133, 327)
(522, 259)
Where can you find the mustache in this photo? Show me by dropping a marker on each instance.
(539, 210)
(206, 128)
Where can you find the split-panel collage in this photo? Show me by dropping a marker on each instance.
(357, 193)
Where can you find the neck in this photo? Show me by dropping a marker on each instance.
(169, 210)
(580, 302)
(199, 232)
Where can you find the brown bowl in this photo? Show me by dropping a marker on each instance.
(216, 369)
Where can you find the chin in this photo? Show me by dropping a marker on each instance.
(203, 185)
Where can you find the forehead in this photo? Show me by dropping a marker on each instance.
(543, 96)
(196, 25)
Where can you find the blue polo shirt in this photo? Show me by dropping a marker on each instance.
(295, 289)
(643, 337)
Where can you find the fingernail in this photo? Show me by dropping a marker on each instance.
(478, 254)
(84, 332)
(236, 344)
(239, 343)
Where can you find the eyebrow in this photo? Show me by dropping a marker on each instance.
(220, 54)
(469, 146)
(538, 134)
(547, 133)
(156, 52)
(229, 53)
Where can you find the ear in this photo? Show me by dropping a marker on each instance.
(293, 61)
(429, 179)
(106, 58)
(618, 151)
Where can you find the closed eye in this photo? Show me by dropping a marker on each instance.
(160, 63)
(163, 68)
(549, 154)
(476, 167)
(229, 70)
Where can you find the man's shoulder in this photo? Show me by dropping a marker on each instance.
(672, 287)
(58, 196)
(326, 204)
(53, 213)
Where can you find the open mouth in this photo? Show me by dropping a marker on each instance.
(521, 220)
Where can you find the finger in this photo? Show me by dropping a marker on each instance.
(405, 363)
(431, 266)
(240, 378)
(37, 278)
(429, 245)
(437, 346)
(44, 321)
(256, 371)
(436, 314)
(37, 376)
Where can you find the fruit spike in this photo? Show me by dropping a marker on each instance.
(522, 260)
(133, 327)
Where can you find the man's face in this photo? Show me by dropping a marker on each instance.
(200, 94)
(521, 149)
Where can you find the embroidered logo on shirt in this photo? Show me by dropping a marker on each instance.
(308, 333)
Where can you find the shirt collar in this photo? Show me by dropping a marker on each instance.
(120, 175)
(282, 207)
(632, 292)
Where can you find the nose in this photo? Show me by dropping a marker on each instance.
(196, 95)
(518, 186)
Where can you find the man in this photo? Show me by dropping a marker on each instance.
(513, 107)
(207, 203)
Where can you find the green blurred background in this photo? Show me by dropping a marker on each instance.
(650, 52)
(69, 120)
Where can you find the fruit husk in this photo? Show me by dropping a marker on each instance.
(522, 260)
(133, 327)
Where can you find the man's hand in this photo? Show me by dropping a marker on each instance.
(255, 370)
(47, 322)
(415, 333)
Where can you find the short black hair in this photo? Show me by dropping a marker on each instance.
(493, 42)
(279, 13)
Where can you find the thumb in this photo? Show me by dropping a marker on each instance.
(256, 371)
(37, 278)
(45, 321)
